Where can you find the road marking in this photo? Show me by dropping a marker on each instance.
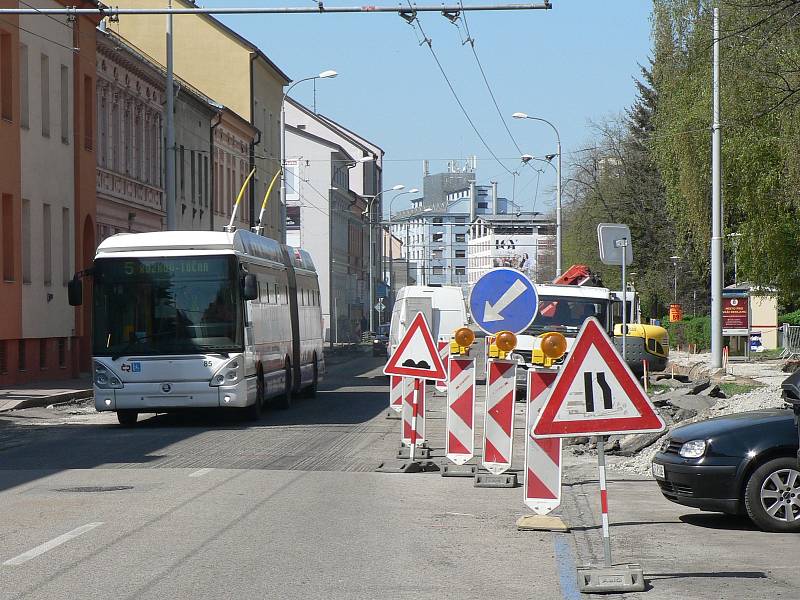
(54, 543)
(200, 472)
(565, 563)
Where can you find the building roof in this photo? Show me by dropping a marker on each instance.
(319, 140)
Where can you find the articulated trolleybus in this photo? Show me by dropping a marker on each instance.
(186, 319)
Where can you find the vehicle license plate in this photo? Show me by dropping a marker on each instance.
(658, 471)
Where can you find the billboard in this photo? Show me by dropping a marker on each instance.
(735, 315)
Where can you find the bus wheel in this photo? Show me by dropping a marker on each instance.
(284, 401)
(127, 418)
(311, 391)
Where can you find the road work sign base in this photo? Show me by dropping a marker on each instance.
(407, 466)
(419, 452)
(541, 523)
(488, 480)
(451, 470)
(619, 578)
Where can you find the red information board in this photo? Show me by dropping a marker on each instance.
(735, 313)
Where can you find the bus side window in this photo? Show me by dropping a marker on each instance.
(277, 295)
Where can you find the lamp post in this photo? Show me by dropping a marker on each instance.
(675, 260)
(391, 257)
(323, 75)
(521, 115)
(368, 214)
(735, 236)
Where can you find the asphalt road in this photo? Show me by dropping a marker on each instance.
(206, 506)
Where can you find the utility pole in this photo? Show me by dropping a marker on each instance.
(716, 214)
(169, 122)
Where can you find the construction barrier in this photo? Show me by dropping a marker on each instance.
(443, 346)
(791, 341)
(408, 411)
(498, 418)
(395, 393)
(542, 485)
(460, 434)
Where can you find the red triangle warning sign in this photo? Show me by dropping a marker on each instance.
(595, 393)
(416, 354)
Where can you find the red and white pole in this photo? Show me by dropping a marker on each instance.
(414, 413)
(601, 468)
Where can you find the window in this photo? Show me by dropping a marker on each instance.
(461, 220)
(461, 270)
(24, 100)
(115, 136)
(8, 238)
(45, 89)
(102, 132)
(6, 93)
(88, 121)
(483, 205)
(21, 355)
(62, 353)
(461, 254)
(181, 160)
(65, 245)
(42, 354)
(461, 237)
(437, 220)
(47, 240)
(438, 237)
(193, 175)
(437, 254)
(437, 270)
(205, 181)
(64, 104)
(26, 241)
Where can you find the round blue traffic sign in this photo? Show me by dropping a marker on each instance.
(503, 299)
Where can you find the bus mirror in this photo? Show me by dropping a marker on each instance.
(250, 287)
(75, 291)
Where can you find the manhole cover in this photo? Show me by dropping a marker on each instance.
(95, 488)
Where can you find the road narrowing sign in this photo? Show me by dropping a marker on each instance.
(503, 299)
(416, 354)
(596, 393)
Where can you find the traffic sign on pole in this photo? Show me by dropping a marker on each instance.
(503, 299)
(444, 353)
(498, 419)
(596, 393)
(460, 437)
(416, 354)
(542, 483)
(396, 393)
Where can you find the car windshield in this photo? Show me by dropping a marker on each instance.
(557, 313)
(156, 306)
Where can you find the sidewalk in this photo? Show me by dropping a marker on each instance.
(44, 393)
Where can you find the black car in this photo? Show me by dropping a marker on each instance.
(380, 343)
(744, 463)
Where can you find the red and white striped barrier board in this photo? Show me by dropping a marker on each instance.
(396, 393)
(542, 456)
(444, 353)
(460, 438)
(408, 411)
(498, 420)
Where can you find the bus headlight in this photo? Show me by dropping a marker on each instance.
(230, 373)
(104, 378)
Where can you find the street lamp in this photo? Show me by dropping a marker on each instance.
(521, 115)
(675, 260)
(368, 213)
(735, 236)
(324, 75)
(391, 257)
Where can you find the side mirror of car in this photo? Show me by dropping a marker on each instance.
(250, 286)
(75, 291)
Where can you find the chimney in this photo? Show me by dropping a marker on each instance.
(426, 168)
(473, 201)
(494, 197)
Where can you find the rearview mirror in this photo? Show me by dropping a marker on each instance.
(75, 291)
(250, 291)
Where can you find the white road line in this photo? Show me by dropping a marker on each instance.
(200, 472)
(55, 542)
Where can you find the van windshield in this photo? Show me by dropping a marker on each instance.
(557, 313)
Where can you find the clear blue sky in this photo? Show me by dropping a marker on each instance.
(571, 65)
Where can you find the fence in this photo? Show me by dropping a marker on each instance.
(791, 340)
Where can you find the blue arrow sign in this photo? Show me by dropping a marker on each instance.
(503, 300)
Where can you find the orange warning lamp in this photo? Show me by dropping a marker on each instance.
(505, 341)
(553, 345)
(463, 338)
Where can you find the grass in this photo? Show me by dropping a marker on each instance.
(734, 389)
(656, 388)
(766, 355)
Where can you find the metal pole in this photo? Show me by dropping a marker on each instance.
(336, 319)
(558, 209)
(601, 468)
(414, 412)
(371, 267)
(716, 215)
(408, 257)
(282, 224)
(169, 122)
(624, 301)
(675, 283)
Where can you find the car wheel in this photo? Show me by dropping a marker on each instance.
(311, 391)
(772, 496)
(127, 418)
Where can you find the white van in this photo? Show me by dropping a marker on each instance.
(444, 309)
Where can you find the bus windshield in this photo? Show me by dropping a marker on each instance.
(566, 314)
(175, 305)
